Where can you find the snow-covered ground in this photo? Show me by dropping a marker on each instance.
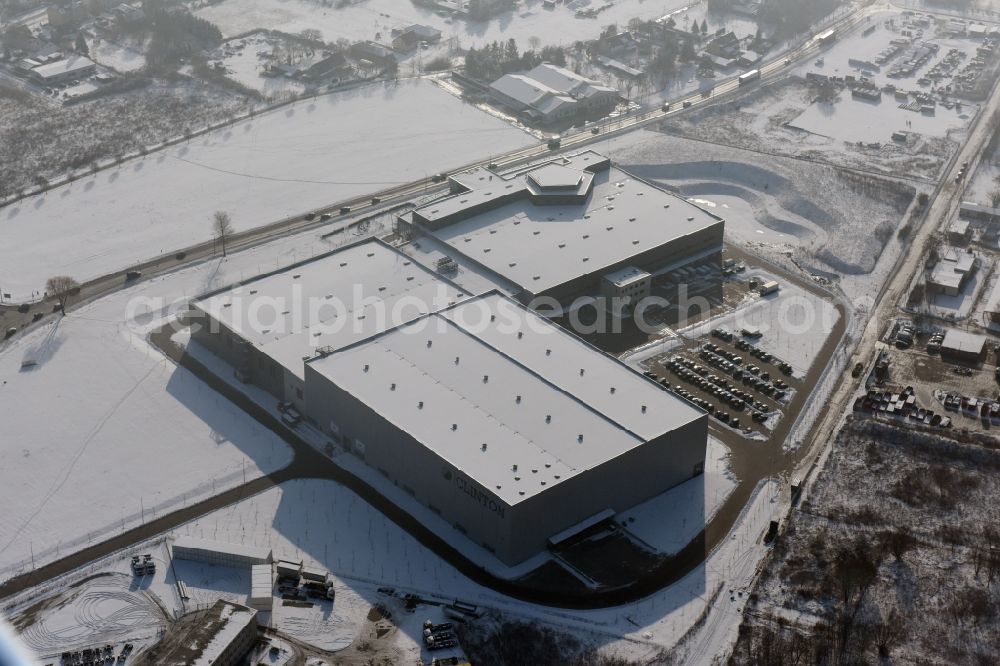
(795, 324)
(313, 153)
(375, 19)
(669, 522)
(101, 431)
(244, 63)
(332, 528)
(118, 57)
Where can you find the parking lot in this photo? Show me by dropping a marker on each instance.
(743, 387)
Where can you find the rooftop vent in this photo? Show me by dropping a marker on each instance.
(420, 405)
(366, 367)
(548, 352)
(579, 438)
(456, 360)
(691, 218)
(493, 317)
(296, 276)
(514, 467)
(392, 387)
(520, 334)
(483, 448)
(486, 378)
(548, 419)
(429, 343)
(253, 291)
(581, 372)
(644, 409)
(343, 263)
(517, 400)
(612, 389)
(454, 426)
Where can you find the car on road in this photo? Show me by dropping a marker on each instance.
(858, 369)
(687, 103)
(10, 332)
(132, 275)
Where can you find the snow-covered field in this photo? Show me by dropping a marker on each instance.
(375, 19)
(105, 610)
(103, 429)
(243, 61)
(102, 433)
(313, 153)
(118, 57)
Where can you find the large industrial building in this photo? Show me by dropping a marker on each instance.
(555, 229)
(548, 93)
(426, 361)
(266, 327)
(509, 427)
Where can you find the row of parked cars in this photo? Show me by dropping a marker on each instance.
(737, 399)
(439, 636)
(902, 404)
(752, 376)
(985, 409)
(99, 656)
(753, 350)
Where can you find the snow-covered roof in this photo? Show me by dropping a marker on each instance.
(505, 396)
(960, 341)
(261, 581)
(329, 302)
(227, 620)
(61, 67)
(540, 246)
(567, 81)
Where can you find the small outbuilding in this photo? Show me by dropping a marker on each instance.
(964, 347)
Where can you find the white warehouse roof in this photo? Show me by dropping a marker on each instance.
(489, 385)
(960, 341)
(355, 292)
(61, 67)
(541, 246)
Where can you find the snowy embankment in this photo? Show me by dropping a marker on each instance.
(307, 155)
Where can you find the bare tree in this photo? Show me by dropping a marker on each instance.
(62, 287)
(995, 197)
(222, 225)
